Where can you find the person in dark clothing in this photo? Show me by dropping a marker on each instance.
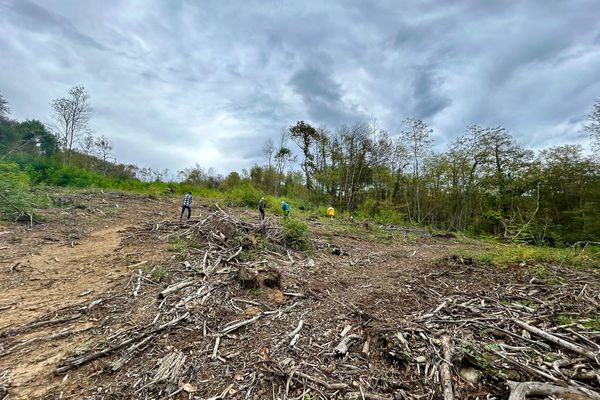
(186, 205)
(261, 208)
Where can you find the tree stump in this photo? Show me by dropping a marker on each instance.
(252, 277)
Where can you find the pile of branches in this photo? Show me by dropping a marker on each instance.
(518, 339)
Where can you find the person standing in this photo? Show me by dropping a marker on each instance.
(330, 213)
(285, 207)
(186, 205)
(261, 208)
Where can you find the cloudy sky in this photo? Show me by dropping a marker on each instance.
(178, 82)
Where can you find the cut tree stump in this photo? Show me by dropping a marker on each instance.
(252, 277)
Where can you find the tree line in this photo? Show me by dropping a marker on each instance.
(484, 183)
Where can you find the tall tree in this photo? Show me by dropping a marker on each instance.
(304, 135)
(4, 108)
(268, 149)
(417, 135)
(593, 127)
(71, 116)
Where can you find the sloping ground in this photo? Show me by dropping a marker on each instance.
(220, 308)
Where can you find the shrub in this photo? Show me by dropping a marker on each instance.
(16, 199)
(245, 195)
(295, 234)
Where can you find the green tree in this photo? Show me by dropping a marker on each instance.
(304, 135)
(4, 108)
(36, 139)
(593, 127)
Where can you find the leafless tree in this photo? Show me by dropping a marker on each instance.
(104, 147)
(268, 149)
(71, 116)
(417, 136)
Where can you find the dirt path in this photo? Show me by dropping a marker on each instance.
(59, 275)
(46, 270)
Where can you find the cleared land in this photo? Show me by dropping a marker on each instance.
(363, 313)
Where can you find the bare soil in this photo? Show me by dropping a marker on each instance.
(87, 283)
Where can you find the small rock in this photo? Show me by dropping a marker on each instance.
(421, 359)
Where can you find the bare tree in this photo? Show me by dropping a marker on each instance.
(417, 136)
(71, 116)
(4, 107)
(268, 149)
(104, 147)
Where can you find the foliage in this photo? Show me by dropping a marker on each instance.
(245, 195)
(295, 234)
(515, 254)
(16, 199)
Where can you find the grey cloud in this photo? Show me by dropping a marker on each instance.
(180, 82)
(429, 100)
(322, 96)
(37, 18)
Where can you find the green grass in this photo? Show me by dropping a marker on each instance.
(156, 272)
(498, 254)
(588, 323)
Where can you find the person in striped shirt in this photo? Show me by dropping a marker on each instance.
(187, 202)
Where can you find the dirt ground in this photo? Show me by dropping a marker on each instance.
(87, 281)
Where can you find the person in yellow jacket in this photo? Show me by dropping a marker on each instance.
(330, 213)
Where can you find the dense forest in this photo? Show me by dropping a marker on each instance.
(485, 183)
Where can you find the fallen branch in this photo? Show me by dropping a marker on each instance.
(77, 361)
(238, 325)
(175, 287)
(594, 356)
(445, 369)
(521, 390)
(138, 283)
(298, 328)
(344, 346)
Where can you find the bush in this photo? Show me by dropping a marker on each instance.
(245, 196)
(295, 234)
(16, 199)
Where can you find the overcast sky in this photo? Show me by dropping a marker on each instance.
(178, 82)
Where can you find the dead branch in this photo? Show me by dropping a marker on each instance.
(521, 390)
(77, 361)
(175, 287)
(594, 356)
(344, 346)
(445, 369)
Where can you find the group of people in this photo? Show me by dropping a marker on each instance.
(186, 206)
(285, 208)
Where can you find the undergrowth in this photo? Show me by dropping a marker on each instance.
(516, 254)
